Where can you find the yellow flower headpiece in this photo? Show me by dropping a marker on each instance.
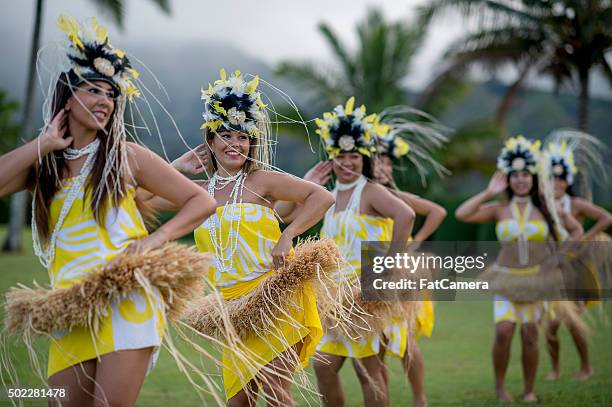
(92, 57)
(346, 129)
(519, 154)
(560, 158)
(233, 104)
(392, 145)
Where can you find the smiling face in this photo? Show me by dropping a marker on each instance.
(348, 166)
(520, 182)
(230, 149)
(92, 105)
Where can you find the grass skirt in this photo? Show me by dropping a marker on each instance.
(174, 273)
(275, 317)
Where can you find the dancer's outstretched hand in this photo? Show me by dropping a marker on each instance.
(498, 183)
(53, 137)
(193, 162)
(320, 173)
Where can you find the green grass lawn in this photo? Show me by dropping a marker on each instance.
(457, 359)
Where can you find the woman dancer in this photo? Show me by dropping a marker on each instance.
(524, 217)
(246, 239)
(565, 150)
(83, 174)
(364, 211)
(394, 147)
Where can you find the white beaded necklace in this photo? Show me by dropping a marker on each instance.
(47, 254)
(225, 259)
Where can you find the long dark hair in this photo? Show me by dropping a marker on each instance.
(534, 193)
(570, 191)
(51, 170)
(368, 167)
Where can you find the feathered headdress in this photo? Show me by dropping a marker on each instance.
(346, 129)
(560, 158)
(392, 146)
(569, 150)
(234, 104)
(415, 136)
(92, 57)
(519, 154)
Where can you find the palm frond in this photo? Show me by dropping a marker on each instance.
(116, 8)
(493, 48)
(346, 64)
(306, 74)
(112, 7)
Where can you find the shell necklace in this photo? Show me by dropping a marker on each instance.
(224, 251)
(46, 254)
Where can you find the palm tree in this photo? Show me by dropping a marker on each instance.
(18, 201)
(563, 39)
(373, 73)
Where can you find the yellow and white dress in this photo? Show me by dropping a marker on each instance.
(425, 318)
(348, 228)
(134, 322)
(251, 262)
(510, 230)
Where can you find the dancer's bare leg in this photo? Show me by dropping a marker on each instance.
(504, 331)
(582, 346)
(275, 380)
(552, 340)
(246, 397)
(529, 338)
(119, 377)
(327, 368)
(415, 369)
(78, 380)
(370, 374)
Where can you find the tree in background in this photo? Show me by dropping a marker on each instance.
(565, 40)
(18, 201)
(9, 130)
(373, 73)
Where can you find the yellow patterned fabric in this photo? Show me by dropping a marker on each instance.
(251, 264)
(348, 230)
(510, 230)
(134, 322)
(516, 311)
(425, 319)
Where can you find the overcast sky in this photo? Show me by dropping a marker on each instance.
(271, 30)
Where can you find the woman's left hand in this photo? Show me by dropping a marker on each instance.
(150, 242)
(281, 251)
